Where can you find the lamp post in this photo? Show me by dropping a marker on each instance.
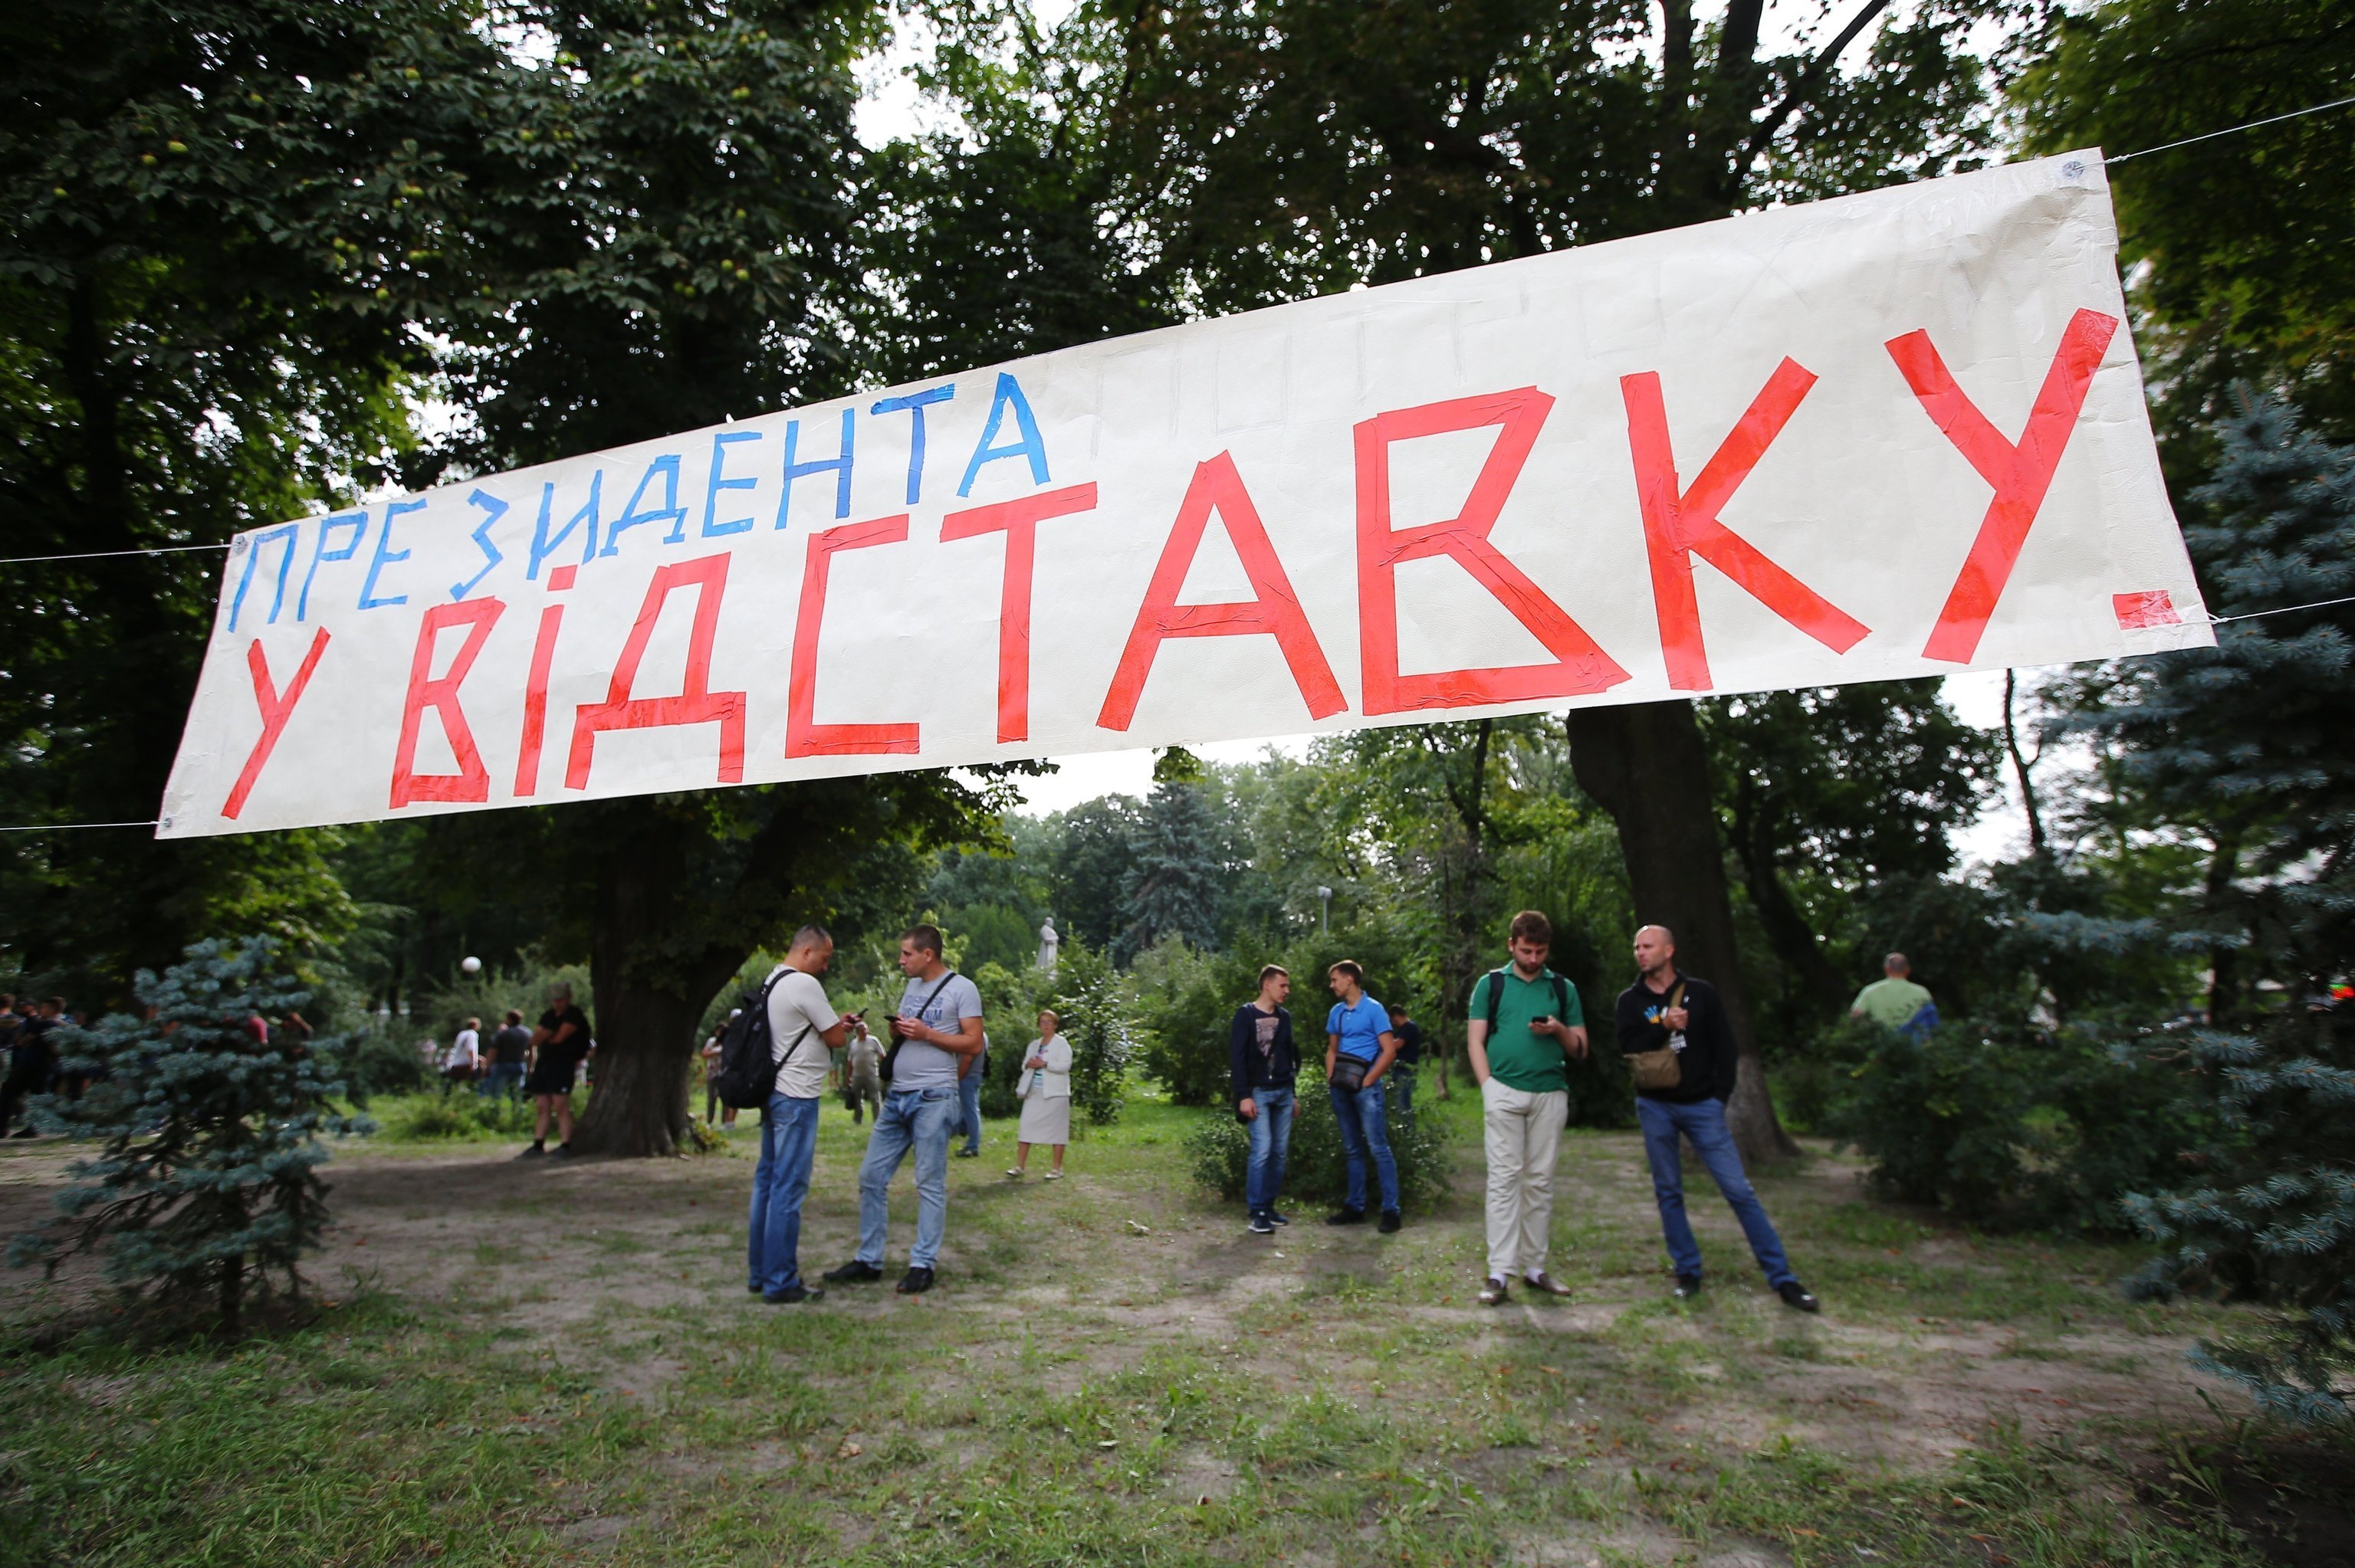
(1324, 911)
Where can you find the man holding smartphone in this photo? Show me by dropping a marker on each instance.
(1358, 1049)
(1526, 1024)
(936, 1033)
(803, 1029)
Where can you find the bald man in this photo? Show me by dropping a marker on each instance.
(1666, 1007)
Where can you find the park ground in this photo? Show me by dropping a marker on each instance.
(542, 1361)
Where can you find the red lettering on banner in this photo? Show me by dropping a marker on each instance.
(276, 707)
(1680, 525)
(1581, 667)
(696, 703)
(2022, 474)
(535, 700)
(805, 737)
(1018, 520)
(471, 783)
(1273, 610)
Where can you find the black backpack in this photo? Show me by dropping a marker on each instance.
(1497, 996)
(747, 1063)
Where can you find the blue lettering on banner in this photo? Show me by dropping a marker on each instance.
(1007, 396)
(358, 523)
(840, 465)
(385, 555)
(667, 466)
(914, 405)
(719, 445)
(542, 546)
(285, 535)
(493, 509)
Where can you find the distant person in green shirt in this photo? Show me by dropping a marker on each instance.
(1525, 1021)
(1894, 1001)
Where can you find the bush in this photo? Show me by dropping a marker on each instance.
(377, 1062)
(1103, 1029)
(456, 1113)
(1218, 1152)
(1998, 1123)
(208, 1180)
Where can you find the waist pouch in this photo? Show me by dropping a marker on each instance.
(1659, 1069)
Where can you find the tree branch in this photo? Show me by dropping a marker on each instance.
(1809, 81)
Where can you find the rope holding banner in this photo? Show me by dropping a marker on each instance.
(2227, 131)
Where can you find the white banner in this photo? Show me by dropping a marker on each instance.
(1891, 435)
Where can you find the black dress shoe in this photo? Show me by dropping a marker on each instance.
(915, 1282)
(1797, 1295)
(855, 1272)
(1346, 1217)
(794, 1295)
(1688, 1287)
(1389, 1222)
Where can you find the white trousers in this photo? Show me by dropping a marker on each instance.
(1524, 1137)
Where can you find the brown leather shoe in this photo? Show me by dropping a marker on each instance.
(1492, 1292)
(1547, 1284)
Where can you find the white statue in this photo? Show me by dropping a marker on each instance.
(1050, 945)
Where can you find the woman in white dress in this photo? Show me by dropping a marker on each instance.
(1045, 1086)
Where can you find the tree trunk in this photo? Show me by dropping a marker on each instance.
(2216, 901)
(1643, 763)
(1787, 931)
(647, 1009)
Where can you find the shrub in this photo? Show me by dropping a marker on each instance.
(2001, 1123)
(208, 1180)
(377, 1062)
(1103, 1029)
(1218, 1152)
(456, 1113)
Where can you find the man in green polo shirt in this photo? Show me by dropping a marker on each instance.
(1524, 1020)
(1893, 1000)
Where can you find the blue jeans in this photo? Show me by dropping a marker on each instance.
(1704, 1124)
(1271, 1140)
(506, 1078)
(969, 1109)
(1400, 1081)
(780, 1182)
(1365, 1133)
(910, 1118)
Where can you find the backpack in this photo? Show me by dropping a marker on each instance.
(1497, 996)
(747, 1063)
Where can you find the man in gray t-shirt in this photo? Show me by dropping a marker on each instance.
(936, 1033)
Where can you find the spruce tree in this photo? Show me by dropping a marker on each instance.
(208, 1182)
(2252, 737)
(1173, 887)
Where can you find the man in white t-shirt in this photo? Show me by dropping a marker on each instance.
(938, 1035)
(803, 1028)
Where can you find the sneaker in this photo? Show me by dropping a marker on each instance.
(1346, 1217)
(794, 1295)
(1546, 1283)
(562, 1151)
(1492, 1292)
(1279, 1216)
(1795, 1295)
(857, 1271)
(968, 1154)
(1016, 1173)
(1261, 1225)
(915, 1282)
(1688, 1287)
(1389, 1222)
(537, 1151)
(1054, 1175)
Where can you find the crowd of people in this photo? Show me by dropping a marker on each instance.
(1525, 1033)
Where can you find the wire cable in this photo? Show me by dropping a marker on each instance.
(2284, 609)
(104, 555)
(2227, 131)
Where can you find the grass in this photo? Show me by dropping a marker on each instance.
(533, 1366)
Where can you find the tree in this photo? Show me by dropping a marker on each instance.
(1094, 845)
(2241, 251)
(208, 1182)
(1824, 794)
(204, 278)
(2257, 725)
(1172, 888)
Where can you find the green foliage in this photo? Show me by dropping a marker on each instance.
(1103, 1027)
(454, 1113)
(1316, 1169)
(2000, 1123)
(1172, 888)
(2242, 250)
(207, 1181)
